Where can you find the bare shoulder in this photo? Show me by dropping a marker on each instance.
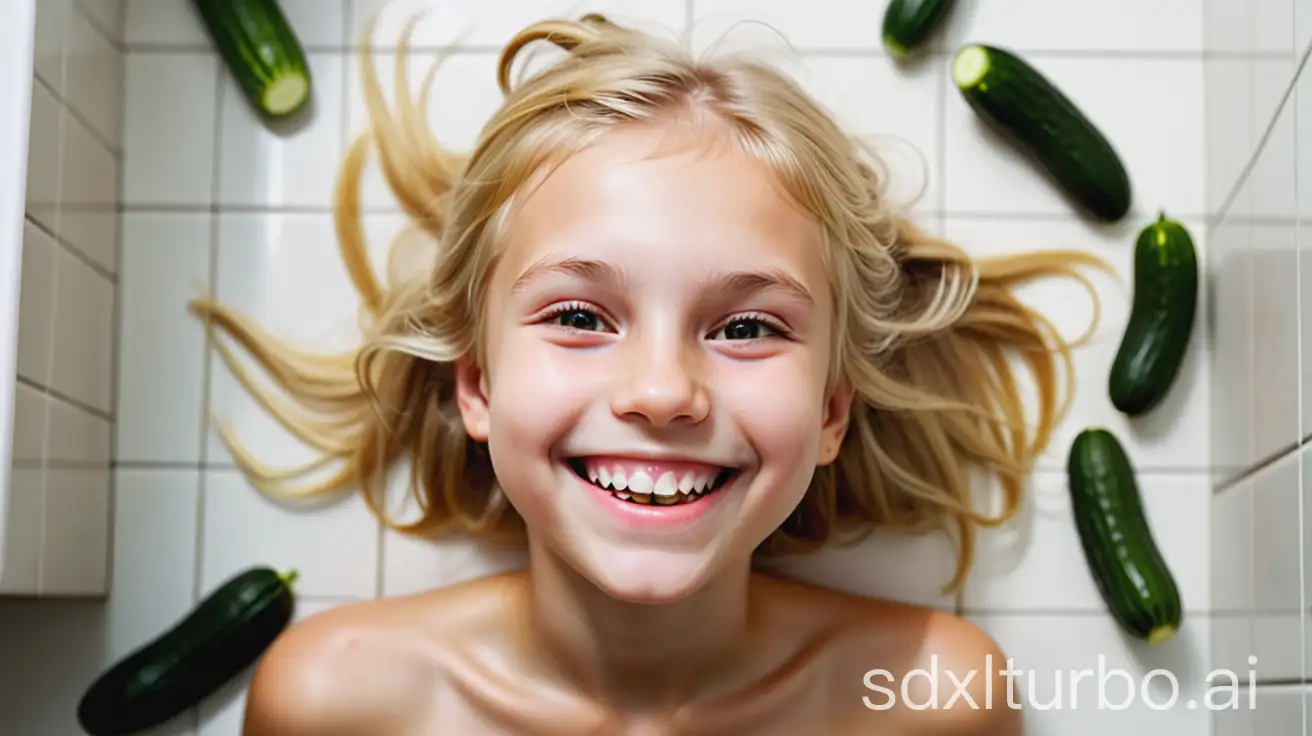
(944, 674)
(364, 668)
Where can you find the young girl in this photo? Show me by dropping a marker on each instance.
(669, 326)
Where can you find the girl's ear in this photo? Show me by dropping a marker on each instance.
(471, 397)
(838, 413)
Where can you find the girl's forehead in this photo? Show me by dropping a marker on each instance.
(636, 188)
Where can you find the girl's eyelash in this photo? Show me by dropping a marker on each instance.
(576, 306)
(764, 319)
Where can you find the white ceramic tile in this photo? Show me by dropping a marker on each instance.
(29, 428)
(93, 70)
(1278, 646)
(285, 272)
(1232, 647)
(222, 713)
(1039, 25)
(36, 305)
(1277, 709)
(162, 23)
(75, 549)
(52, 17)
(494, 22)
(22, 537)
(1273, 179)
(1268, 189)
(413, 564)
(88, 217)
(1227, 85)
(464, 96)
(1301, 101)
(44, 137)
(1276, 551)
(169, 139)
(824, 24)
(1272, 26)
(106, 14)
(1036, 562)
(154, 563)
(1232, 536)
(1275, 326)
(1080, 675)
(280, 165)
(171, 23)
(1302, 26)
(77, 436)
(927, 564)
(162, 346)
(82, 364)
(1174, 435)
(905, 136)
(1164, 159)
(1230, 286)
(334, 546)
(317, 22)
(1227, 26)
(1305, 324)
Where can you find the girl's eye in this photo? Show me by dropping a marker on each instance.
(578, 318)
(743, 328)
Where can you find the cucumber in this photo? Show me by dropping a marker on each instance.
(223, 635)
(908, 24)
(262, 52)
(1123, 558)
(1161, 320)
(1016, 100)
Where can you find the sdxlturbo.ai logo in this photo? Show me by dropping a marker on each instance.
(1113, 689)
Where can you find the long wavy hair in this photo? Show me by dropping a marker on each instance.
(929, 337)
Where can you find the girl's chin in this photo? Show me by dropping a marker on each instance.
(649, 577)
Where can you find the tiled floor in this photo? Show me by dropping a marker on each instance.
(214, 200)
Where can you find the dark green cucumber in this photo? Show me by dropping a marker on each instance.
(908, 24)
(223, 635)
(262, 52)
(1161, 319)
(1122, 556)
(1016, 100)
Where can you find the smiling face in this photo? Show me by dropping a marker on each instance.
(658, 335)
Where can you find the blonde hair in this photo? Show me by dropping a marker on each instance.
(924, 333)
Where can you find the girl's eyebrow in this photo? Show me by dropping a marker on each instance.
(735, 282)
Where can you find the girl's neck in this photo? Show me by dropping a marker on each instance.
(636, 655)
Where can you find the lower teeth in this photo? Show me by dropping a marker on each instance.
(653, 499)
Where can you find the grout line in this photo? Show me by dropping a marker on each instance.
(112, 148)
(64, 398)
(216, 155)
(689, 14)
(95, 25)
(1255, 468)
(56, 464)
(71, 248)
(1251, 164)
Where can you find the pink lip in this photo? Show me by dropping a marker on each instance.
(651, 516)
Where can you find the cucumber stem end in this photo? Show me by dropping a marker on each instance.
(290, 577)
(970, 66)
(1161, 634)
(286, 94)
(895, 49)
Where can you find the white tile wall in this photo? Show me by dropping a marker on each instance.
(1258, 167)
(58, 521)
(58, 524)
(1186, 90)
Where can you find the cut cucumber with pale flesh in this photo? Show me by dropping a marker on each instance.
(286, 94)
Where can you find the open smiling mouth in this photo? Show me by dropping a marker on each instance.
(667, 488)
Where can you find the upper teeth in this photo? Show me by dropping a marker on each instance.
(638, 481)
